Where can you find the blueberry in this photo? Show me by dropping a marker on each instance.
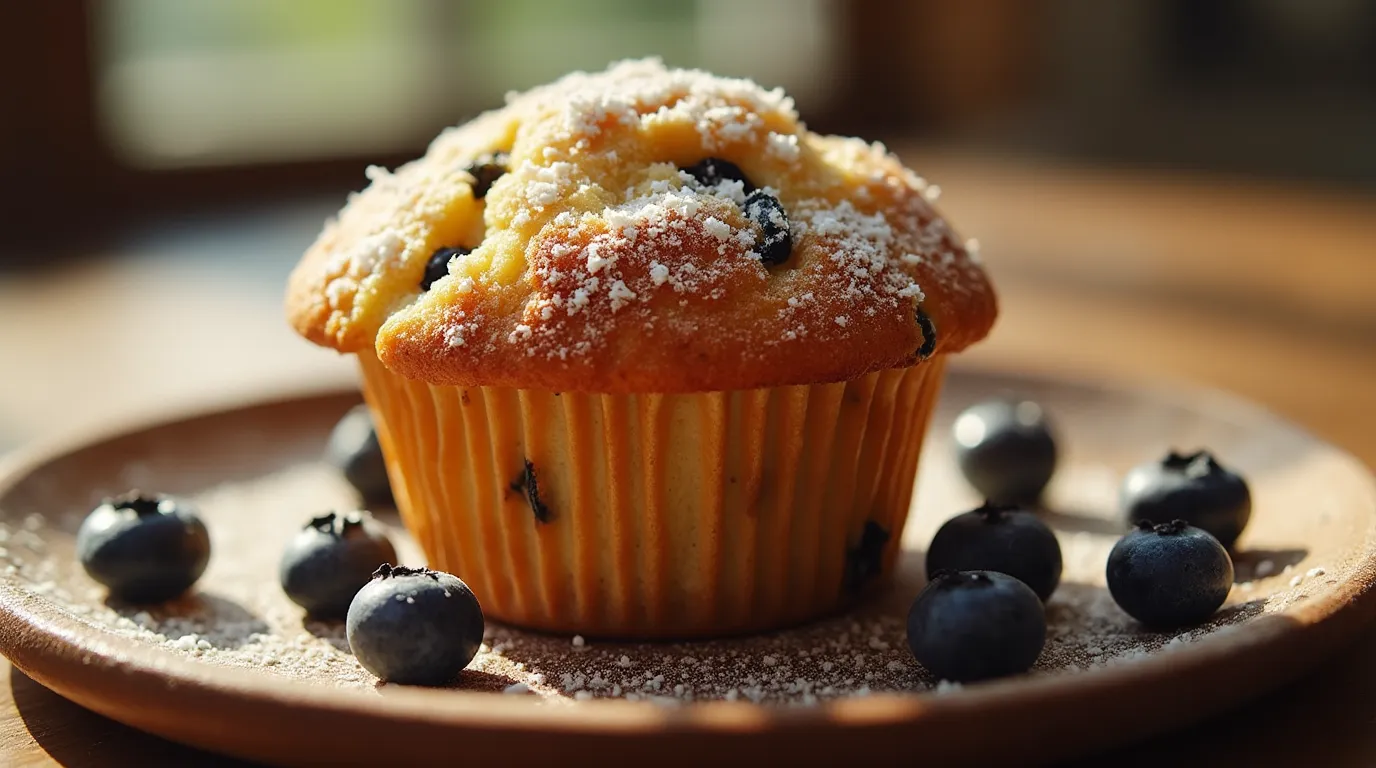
(1192, 487)
(767, 212)
(865, 561)
(438, 265)
(529, 484)
(485, 170)
(711, 171)
(355, 450)
(976, 625)
(928, 334)
(998, 538)
(414, 626)
(329, 560)
(1006, 450)
(1169, 575)
(145, 549)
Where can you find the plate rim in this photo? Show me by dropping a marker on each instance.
(38, 636)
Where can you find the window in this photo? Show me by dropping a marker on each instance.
(230, 82)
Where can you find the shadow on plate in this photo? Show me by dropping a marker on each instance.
(1078, 522)
(330, 630)
(469, 680)
(1249, 564)
(230, 624)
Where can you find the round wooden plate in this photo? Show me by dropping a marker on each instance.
(233, 667)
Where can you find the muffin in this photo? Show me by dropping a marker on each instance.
(647, 357)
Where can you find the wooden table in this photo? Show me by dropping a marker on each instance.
(1264, 290)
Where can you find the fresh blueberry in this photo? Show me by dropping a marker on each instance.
(414, 626)
(145, 549)
(768, 213)
(998, 538)
(976, 625)
(329, 560)
(355, 450)
(1192, 487)
(1006, 450)
(485, 170)
(438, 265)
(712, 171)
(1169, 575)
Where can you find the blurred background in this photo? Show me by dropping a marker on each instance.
(1165, 190)
(166, 161)
(130, 107)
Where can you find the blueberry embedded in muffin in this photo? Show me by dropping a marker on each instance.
(682, 259)
(485, 170)
(652, 230)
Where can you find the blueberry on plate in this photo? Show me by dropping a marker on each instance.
(1169, 575)
(1006, 450)
(1192, 487)
(330, 559)
(355, 450)
(999, 538)
(144, 548)
(414, 626)
(976, 625)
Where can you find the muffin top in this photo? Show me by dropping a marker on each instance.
(642, 229)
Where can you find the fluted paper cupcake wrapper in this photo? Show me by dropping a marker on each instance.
(657, 515)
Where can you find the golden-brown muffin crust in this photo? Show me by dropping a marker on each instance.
(598, 265)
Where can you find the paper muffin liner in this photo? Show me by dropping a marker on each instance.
(657, 515)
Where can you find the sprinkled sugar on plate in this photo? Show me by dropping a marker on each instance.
(233, 667)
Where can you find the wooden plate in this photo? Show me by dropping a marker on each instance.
(233, 668)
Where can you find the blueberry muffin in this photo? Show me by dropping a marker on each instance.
(648, 358)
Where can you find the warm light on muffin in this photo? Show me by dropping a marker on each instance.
(648, 357)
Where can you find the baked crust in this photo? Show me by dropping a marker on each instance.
(597, 265)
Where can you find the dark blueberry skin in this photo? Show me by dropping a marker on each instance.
(865, 561)
(767, 212)
(928, 328)
(486, 170)
(997, 538)
(1192, 487)
(415, 626)
(976, 625)
(355, 450)
(1169, 575)
(1006, 450)
(438, 265)
(329, 560)
(711, 171)
(145, 549)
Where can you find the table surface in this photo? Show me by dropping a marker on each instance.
(1260, 289)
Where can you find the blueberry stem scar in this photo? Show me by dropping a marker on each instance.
(530, 485)
(137, 502)
(388, 571)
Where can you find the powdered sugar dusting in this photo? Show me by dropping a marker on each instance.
(238, 617)
(591, 252)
